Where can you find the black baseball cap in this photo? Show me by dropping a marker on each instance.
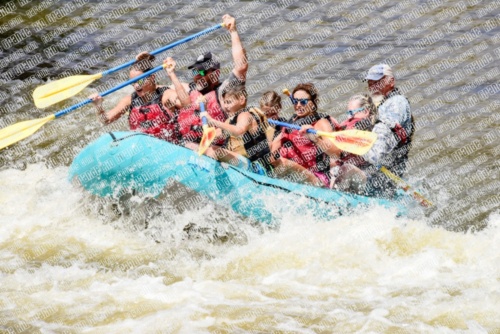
(205, 62)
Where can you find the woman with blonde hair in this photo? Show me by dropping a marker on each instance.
(362, 114)
(347, 170)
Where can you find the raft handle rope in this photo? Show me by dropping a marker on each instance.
(115, 140)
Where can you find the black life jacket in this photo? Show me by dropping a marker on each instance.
(254, 146)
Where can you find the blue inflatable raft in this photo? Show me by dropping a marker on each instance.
(122, 162)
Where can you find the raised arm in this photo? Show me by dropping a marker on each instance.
(239, 54)
(180, 87)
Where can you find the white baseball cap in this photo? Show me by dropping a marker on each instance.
(378, 71)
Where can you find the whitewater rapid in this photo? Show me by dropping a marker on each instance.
(69, 264)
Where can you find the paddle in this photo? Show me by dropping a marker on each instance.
(287, 92)
(352, 141)
(208, 132)
(62, 89)
(406, 187)
(16, 132)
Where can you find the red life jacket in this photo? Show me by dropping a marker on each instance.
(153, 118)
(401, 134)
(189, 120)
(352, 123)
(298, 148)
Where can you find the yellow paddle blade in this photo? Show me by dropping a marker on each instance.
(405, 186)
(59, 90)
(16, 132)
(207, 139)
(353, 141)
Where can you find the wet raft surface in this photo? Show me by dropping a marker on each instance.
(128, 162)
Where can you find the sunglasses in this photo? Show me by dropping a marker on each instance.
(302, 101)
(352, 112)
(140, 82)
(200, 72)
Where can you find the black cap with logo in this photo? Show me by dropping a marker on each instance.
(205, 62)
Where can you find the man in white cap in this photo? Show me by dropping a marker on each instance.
(394, 129)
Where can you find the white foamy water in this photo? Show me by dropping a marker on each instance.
(70, 265)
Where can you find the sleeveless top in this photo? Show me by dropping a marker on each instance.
(255, 146)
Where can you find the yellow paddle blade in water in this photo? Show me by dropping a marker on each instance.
(406, 187)
(207, 139)
(353, 141)
(60, 90)
(16, 132)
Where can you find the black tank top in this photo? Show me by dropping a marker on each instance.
(256, 144)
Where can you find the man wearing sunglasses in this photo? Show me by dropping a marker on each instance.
(206, 69)
(206, 86)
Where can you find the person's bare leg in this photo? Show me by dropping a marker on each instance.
(283, 168)
(292, 171)
(232, 158)
(210, 152)
(191, 146)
